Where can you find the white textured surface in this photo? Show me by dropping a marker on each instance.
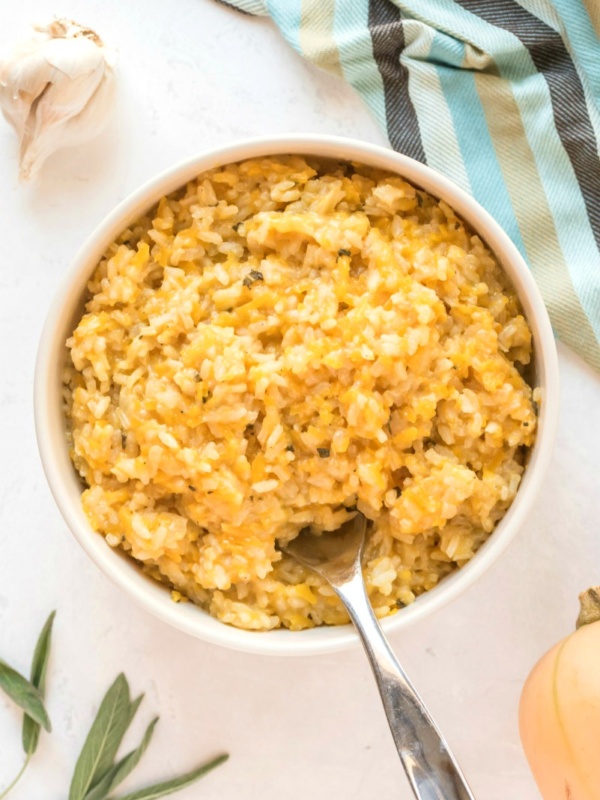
(194, 74)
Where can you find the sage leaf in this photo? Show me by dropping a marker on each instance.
(31, 728)
(122, 769)
(174, 785)
(100, 748)
(24, 694)
(133, 707)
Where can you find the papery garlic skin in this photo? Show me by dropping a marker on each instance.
(56, 90)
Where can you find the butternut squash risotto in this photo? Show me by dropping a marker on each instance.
(282, 342)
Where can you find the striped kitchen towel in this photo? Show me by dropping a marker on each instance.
(501, 96)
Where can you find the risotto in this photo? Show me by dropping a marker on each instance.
(276, 345)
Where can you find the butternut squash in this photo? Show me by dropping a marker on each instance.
(559, 713)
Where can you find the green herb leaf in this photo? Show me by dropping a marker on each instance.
(169, 787)
(122, 769)
(133, 707)
(98, 753)
(24, 694)
(39, 665)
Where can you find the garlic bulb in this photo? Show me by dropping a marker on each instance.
(56, 90)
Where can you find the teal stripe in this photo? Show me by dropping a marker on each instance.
(431, 108)
(351, 33)
(288, 17)
(476, 146)
(531, 92)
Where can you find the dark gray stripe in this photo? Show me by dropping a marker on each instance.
(387, 35)
(551, 58)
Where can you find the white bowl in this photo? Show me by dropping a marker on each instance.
(63, 315)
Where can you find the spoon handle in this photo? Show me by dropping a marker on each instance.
(430, 766)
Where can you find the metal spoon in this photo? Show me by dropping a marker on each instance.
(429, 765)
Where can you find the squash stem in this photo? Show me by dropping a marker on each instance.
(589, 611)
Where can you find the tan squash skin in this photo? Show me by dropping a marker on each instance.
(559, 718)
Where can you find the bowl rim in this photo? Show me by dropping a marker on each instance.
(185, 616)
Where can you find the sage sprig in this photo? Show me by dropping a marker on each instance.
(117, 774)
(98, 754)
(31, 729)
(169, 787)
(97, 775)
(97, 772)
(24, 694)
(29, 695)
